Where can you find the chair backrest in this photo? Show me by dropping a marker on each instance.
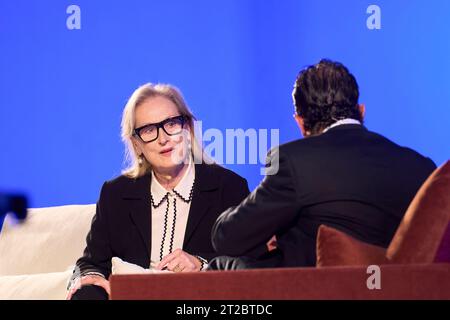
(336, 248)
(50, 240)
(443, 253)
(423, 228)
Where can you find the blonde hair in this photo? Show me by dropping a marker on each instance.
(141, 94)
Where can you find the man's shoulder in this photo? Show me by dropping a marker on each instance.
(404, 151)
(298, 145)
(330, 143)
(321, 140)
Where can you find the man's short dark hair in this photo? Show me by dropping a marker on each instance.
(324, 93)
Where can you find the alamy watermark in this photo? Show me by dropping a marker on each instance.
(373, 22)
(374, 280)
(239, 146)
(233, 146)
(73, 21)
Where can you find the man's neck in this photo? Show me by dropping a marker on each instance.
(340, 123)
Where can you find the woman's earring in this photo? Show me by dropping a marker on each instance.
(140, 161)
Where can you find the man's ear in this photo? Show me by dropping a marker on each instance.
(362, 110)
(301, 124)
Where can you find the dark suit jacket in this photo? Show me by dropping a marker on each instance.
(122, 225)
(348, 178)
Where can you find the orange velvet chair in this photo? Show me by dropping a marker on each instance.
(423, 235)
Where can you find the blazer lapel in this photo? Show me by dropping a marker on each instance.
(205, 182)
(140, 208)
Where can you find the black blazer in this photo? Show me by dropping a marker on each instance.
(348, 178)
(122, 225)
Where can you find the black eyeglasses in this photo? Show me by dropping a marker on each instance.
(150, 132)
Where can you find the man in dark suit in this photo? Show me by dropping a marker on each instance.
(341, 175)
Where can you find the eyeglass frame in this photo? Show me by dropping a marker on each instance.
(159, 125)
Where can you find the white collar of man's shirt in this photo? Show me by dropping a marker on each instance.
(183, 187)
(341, 122)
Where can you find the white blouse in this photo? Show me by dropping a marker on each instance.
(170, 212)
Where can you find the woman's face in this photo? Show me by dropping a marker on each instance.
(166, 152)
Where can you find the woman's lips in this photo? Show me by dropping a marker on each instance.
(166, 152)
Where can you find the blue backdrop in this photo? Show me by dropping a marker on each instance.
(65, 77)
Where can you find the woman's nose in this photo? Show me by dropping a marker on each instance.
(162, 137)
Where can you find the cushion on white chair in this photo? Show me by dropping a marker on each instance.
(50, 240)
(42, 286)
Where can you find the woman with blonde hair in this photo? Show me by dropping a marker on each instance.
(159, 213)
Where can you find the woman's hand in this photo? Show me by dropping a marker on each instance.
(95, 280)
(180, 261)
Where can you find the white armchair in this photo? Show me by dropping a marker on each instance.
(38, 256)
